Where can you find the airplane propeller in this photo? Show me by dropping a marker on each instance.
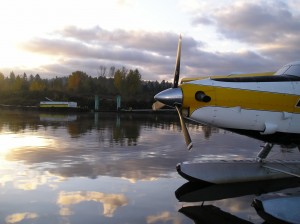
(157, 105)
(186, 134)
(177, 66)
(173, 97)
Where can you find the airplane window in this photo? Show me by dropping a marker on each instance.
(293, 70)
(282, 70)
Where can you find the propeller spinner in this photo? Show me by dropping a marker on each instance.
(173, 97)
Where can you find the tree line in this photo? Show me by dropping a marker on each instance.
(29, 90)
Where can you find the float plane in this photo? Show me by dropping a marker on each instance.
(265, 106)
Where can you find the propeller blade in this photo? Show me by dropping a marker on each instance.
(157, 105)
(177, 67)
(185, 131)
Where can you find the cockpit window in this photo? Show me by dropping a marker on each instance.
(282, 70)
(293, 70)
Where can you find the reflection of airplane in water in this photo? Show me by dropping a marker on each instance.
(198, 191)
(278, 208)
(281, 209)
(209, 214)
(265, 106)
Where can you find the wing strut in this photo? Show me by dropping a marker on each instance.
(281, 171)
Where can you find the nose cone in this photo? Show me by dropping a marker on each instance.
(170, 96)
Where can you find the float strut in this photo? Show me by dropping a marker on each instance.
(264, 152)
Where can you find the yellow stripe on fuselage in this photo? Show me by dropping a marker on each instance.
(234, 97)
(184, 80)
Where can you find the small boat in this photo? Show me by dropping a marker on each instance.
(278, 208)
(236, 171)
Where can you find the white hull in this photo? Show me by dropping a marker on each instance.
(265, 122)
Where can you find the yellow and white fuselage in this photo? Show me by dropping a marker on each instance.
(267, 107)
(266, 102)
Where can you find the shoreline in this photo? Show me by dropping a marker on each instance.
(81, 110)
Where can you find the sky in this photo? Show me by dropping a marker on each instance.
(57, 37)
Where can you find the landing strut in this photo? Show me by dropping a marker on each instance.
(264, 152)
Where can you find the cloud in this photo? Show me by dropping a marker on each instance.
(157, 42)
(18, 217)
(285, 51)
(151, 52)
(110, 201)
(258, 23)
(164, 217)
(202, 20)
(268, 32)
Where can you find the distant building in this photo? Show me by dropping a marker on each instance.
(57, 104)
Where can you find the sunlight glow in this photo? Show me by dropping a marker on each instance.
(23, 60)
(10, 142)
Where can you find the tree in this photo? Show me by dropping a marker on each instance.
(101, 71)
(25, 84)
(37, 84)
(133, 83)
(58, 84)
(78, 82)
(17, 85)
(2, 81)
(112, 70)
(12, 76)
(119, 80)
(25, 77)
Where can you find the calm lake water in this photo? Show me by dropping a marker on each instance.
(108, 168)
